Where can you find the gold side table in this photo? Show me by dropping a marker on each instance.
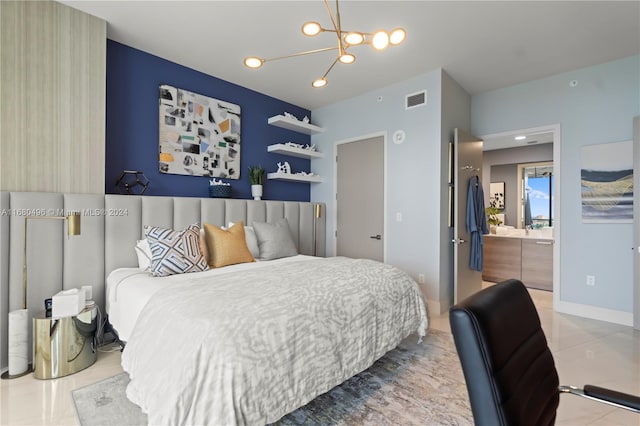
(64, 345)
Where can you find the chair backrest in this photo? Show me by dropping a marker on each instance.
(510, 374)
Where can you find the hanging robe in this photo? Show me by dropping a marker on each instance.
(476, 222)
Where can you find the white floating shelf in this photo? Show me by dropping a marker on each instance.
(280, 148)
(295, 125)
(294, 178)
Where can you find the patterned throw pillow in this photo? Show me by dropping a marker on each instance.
(175, 252)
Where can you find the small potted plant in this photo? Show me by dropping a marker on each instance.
(492, 213)
(256, 177)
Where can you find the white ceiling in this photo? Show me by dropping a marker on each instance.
(482, 45)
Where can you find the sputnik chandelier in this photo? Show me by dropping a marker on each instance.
(378, 40)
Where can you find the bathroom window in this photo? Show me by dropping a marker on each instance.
(537, 189)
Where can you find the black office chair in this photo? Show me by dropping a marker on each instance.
(510, 374)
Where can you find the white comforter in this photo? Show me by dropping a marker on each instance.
(251, 346)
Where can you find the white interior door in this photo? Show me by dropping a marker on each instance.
(360, 199)
(467, 164)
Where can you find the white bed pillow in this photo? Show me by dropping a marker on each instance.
(143, 251)
(274, 239)
(251, 239)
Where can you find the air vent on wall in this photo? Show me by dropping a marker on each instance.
(417, 99)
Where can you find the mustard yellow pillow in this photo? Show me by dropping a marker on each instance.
(226, 247)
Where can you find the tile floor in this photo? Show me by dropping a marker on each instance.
(585, 351)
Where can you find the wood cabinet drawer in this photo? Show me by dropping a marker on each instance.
(501, 259)
(537, 263)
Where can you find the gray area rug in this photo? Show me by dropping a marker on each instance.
(412, 384)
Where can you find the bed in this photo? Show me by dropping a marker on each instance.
(272, 345)
(247, 342)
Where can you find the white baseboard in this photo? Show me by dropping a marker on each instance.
(594, 312)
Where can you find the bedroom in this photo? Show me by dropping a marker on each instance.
(411, 245)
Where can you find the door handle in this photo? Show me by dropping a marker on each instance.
(376, 237)
(458, 241)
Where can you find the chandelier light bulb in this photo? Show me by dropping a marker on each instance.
(253, 62)
(347, 58)
(311, 28)
(397, 36)
(380, 40)
(354, 38)
(321, 82)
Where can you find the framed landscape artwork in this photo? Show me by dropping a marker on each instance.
(496, 194)
(199, 136)
(607, 183)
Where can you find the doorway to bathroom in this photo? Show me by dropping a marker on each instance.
(524, 165)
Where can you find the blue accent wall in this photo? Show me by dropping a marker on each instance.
(132, 134)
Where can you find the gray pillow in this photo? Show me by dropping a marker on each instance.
(274, 240)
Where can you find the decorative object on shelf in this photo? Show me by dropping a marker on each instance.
(256, 178)
(199, 136)
(219, 189)
(291, 123)
(305, 120)
(294, 145)
(379, 40)
(284, 167)
(289, 115)
(19, 319)
(300, 146)
(305, 174)
(291, 151)
(132, 182)
(294, 177)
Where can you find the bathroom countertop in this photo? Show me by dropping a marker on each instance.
(536, 234)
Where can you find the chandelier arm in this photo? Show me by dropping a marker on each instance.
(330, 68)
(335, 26)
(339, 30)
(308, 52)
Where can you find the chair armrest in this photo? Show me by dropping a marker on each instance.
(606, 396)
(613, 396)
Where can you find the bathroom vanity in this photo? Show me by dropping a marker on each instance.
(528, 258)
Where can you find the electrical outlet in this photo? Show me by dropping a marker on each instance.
(398, 217)
(421, 278)
(591, 280)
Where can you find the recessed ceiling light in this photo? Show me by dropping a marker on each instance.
(519, 138)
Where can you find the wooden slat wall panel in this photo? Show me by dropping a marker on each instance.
(53, 91)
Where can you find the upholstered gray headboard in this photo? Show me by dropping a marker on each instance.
(111, 224)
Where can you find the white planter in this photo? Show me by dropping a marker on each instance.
(256, 191)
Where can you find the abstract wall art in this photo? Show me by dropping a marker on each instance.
(199, 136)
(607, 183)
